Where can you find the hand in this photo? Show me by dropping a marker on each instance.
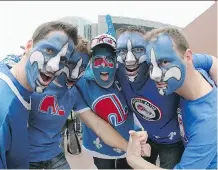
(137, 145)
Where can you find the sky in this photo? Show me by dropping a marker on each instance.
(19, 19)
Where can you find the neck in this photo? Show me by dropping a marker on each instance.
(194, 86)
(19, 72)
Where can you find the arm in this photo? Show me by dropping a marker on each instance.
(104, 130)
(207, 63)
(5, 142)
(213, 70)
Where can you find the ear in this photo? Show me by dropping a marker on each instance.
(28, 47)
(188, 56)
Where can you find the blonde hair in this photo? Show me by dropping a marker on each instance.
(179, 40)
(83, 45)
(137, 29)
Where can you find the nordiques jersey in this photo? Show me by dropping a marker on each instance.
(48, 115)
(111, 106)
(156, 113)
(198, 125)
(14, 114)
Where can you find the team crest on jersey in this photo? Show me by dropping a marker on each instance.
(109, 108)
(181, 126)
(146, 109)
(50, 103)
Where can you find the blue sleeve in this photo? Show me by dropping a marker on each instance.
(198, 157)
(10, 60)
(5, 142)
(201, 150)
(203, 61)
(80, 104)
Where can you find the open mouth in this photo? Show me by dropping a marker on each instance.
(132, 70)
(70, 83)
(161, 85)
(45, 78)
(104, 76)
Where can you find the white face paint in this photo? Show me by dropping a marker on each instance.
(53, 63)
(156, 72)
(75, 72)
(130, 58)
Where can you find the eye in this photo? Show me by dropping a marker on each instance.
(164, 63)
(138, 50)
(49, 51)
(121, 51)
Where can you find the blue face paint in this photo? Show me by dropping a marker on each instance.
(167, 70)
(46, 59)
(103, 65)
(73, 70)
(131, 53)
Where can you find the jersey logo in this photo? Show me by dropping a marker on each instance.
(109, 108)
(146, 109)
(50, 103)
(181, 126)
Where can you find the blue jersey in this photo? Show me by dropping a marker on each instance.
(110, 105)
(156, 113)
(14, 109)
(198, 124)
(48, 115)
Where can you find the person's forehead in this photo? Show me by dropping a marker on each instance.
(163, 46)
(136, 38)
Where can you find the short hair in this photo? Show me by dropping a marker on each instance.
(83, 45)
(131, 29)
(44, 29)
(178, 38)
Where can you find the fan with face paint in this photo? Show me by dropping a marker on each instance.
(167, 68)
(131, 53)
(103, 61)
(45, 59)
(73, 70)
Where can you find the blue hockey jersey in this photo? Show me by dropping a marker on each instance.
(48, 115)
(14, 109)
(111, 106)
(198, 125)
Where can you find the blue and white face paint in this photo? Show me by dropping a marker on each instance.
(131, 53)
(103, 65)
(73, 70)
(167, 68)
(46, 59)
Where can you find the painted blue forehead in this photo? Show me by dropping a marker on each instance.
(163, 47)
(136, 39)
(56, 41)
(77, 55)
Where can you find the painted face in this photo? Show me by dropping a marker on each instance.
(167, 68)
(104, 65)
(73, 69)
(46, 59)
(131, 53)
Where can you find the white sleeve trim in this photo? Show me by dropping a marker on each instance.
(7, 80)
(83, 110)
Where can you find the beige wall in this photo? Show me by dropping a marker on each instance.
(202, 32)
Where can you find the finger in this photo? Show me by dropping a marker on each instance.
(146, 149)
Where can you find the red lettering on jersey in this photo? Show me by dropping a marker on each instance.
(109, 108)
(50, 102)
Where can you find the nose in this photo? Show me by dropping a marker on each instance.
(53, 64)
(156, 74)
(130, 58)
